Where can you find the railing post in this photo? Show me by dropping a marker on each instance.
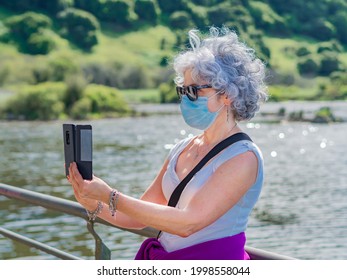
(102, 252)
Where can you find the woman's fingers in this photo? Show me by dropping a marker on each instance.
(75, 172)
(75, 177)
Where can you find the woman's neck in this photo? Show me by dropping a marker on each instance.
(219, 131)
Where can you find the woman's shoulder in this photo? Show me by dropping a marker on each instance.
(236, 149)
(179, 146)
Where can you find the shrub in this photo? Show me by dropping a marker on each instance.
(61, 67)
(206, 3)
(308, 67)
(199, 17)
(46, 102)
(340, 23)
(302, 51)
(28, 31)
(338, 78)
(259, 45)
(4, 32)
(328, 64)
(220, 14)
(146, 11)
(332, 46)
(54, 6)
(280, 78)
(4, 74)
(75, 86)
(40, 73)
(102, 74)
(133, 77)
(168, 93)
(80, 27)
(105, 100)
(324, 115)
(116, 11)
(39, 102)
(320, 29)
(92, 6)
(267, 18)
(332, 91)
(119, 76)
(22, 26)
(81, 109)
(169, 6)
(180, 20)
(51, 6)
(40, 43)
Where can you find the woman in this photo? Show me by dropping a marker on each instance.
(220, 82)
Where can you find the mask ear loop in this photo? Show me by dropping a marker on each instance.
(218, 92)
(227, 114)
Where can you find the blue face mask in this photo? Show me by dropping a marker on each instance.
(196, 113)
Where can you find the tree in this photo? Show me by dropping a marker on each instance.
(180, 20)
(329, 63)
(320, 29)
(169, 6)
(79, 26)
(116, 11)
(51, 6)
(308, 67)
(146, 11)
(28, 31)
(24, 25)
(92, 6)
(220, 14)
(340, 22)
(39, 43)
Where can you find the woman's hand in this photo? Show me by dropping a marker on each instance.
(88, 192)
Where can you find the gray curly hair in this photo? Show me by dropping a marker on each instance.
(229, 66)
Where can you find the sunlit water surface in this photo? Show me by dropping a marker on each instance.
(302, 211)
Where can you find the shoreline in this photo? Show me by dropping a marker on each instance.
(269, 111)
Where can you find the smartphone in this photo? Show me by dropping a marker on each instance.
(78, 147)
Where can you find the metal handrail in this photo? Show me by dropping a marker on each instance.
(75, 209)
(61, 205)
(38, 245)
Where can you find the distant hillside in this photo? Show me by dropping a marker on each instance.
(128, 44)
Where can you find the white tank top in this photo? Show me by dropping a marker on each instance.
(232, 222)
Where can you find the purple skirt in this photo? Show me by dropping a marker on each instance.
(227, 248)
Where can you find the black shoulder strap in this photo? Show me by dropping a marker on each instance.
(175, 196)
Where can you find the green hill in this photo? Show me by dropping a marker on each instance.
(128, 44)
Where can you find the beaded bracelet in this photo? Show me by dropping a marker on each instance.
(112, 205)
(93, 214)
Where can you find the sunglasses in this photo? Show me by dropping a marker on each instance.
(190, 91)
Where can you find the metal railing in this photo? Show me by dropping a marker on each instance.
(75, 209)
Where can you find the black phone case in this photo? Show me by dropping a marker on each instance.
(73, 149)
(84, 165)
(69, 145)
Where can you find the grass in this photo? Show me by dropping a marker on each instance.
(282, 93)
(145, 47)
(4, 96)
(138, 47)
(141, 95)
(283, 55)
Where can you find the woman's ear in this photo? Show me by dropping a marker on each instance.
(227, 100)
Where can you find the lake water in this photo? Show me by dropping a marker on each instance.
(302, 211)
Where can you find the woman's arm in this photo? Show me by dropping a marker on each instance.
(152, 194)
(225, 187)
